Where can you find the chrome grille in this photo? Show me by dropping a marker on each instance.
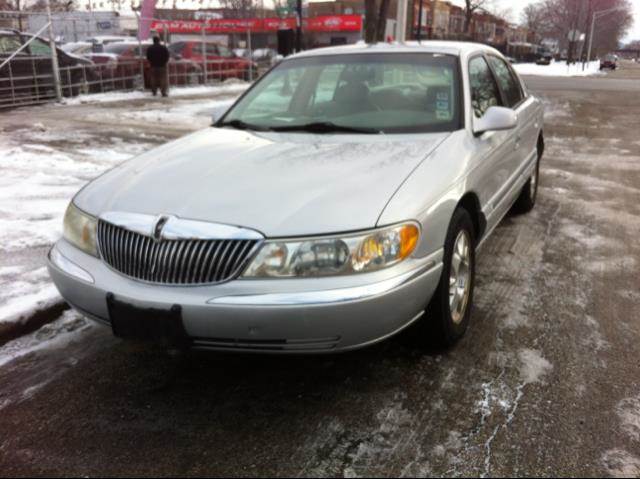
(175, 261)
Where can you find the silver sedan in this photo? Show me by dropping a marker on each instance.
(339, 200)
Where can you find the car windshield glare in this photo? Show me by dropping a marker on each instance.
(388, 93)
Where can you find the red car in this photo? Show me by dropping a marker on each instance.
(221, 62)
(121, 60)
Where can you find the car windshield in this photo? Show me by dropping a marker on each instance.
(390, 93)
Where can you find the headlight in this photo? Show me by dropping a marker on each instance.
(338, 255)
(80, 229)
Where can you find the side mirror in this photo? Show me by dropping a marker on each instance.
(220, 109)
(495, 118)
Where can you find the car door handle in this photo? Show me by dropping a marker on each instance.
(518, 139)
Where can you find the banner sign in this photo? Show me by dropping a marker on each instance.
(325, 23)
(146, 14)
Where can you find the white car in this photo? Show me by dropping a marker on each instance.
(339, 200)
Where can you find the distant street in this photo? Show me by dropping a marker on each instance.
(546, 381)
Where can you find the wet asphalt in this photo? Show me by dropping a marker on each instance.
(546, 382)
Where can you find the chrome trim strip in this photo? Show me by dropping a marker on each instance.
(327, 296)
(178, 228)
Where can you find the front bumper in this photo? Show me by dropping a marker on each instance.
(277, 315)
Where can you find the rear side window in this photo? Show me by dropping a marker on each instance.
(507, 81)
(484, 91)
(38, 47)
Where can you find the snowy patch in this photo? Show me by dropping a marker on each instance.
(619, 463)
(230, 87)
(57, 334)
(558, 69)
(394, 420)
(533, 366)
(629, 413)
(43, 166)
(195, 115)
(556, 110)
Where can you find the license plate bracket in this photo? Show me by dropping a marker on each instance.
(155, 324)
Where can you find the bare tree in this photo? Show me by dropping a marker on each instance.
(242, 8)
(554, 19)
(470, 8)
(376, 12)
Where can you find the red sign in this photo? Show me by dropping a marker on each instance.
(326, 23)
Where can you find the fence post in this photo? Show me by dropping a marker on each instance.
(54, 56)
(204, 54)
(140, 58)
(250, 54)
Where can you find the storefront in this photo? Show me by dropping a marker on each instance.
(317, 31)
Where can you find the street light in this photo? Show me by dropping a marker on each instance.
(594, 17)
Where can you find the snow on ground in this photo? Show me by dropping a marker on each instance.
(187, 114)
(55, 334)
(37, 183)
(43, 166)
(532, 365)
(229, 87)
(558, 69)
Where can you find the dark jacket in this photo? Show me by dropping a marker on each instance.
(158, 55)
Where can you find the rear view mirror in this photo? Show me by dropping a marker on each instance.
(220, 109)
(495, 118)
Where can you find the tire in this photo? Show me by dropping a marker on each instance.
(527, 199)
(444, 325)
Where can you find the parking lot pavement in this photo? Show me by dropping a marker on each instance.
(546, 381)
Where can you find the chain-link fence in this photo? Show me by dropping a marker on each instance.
(32, 66)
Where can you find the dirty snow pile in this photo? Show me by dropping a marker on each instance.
(43, 165)
(42, 170)
(558, 69)
(229, 87)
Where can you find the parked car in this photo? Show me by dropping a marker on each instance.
(265, 57)
(341, 198)
(28, 76)
(221, 62)
(123, 61)
(544, 59)
(99, 42)
(77, 48)
(609, 61)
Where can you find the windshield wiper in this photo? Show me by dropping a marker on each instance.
(243, 125)
(325, 127)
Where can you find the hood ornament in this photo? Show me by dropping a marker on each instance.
(157, 229)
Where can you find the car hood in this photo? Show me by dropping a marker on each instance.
(279, 184)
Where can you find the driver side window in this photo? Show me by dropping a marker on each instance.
(484, 91)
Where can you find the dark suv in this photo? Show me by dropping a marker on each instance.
(28, 77)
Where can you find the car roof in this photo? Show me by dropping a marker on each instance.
(427, 46)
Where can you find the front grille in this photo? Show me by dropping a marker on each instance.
(180, 261)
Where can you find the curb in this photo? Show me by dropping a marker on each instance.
(31, 323)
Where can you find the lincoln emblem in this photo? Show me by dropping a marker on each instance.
(157, 230)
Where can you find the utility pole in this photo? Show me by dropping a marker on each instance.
(298, 25)
(401, 21)
(54, 55)
(596, 15)
(419, 34)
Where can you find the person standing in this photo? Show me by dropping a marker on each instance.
(158, 56)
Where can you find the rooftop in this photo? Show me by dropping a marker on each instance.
(428, 46)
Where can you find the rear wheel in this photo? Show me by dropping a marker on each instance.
(450, 307)
(527, 199)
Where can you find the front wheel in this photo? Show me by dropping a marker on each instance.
(449, 310)
(527, 199)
